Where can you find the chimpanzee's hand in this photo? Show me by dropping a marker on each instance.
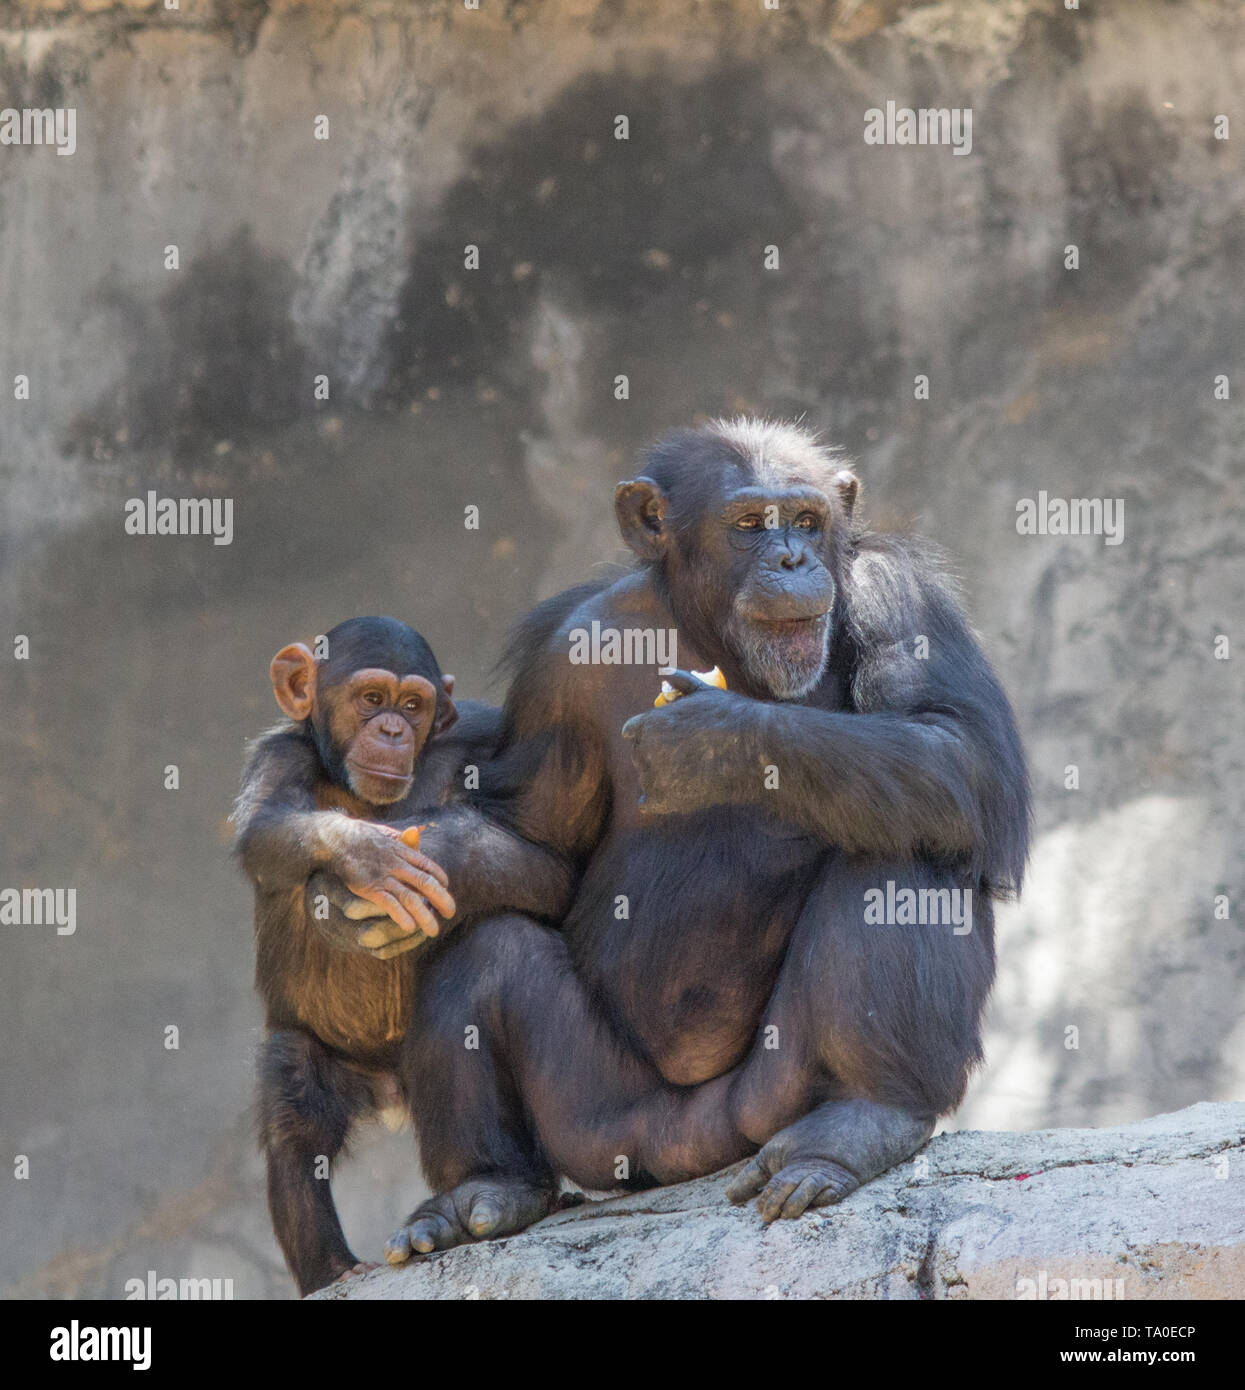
(689, 753)
(349, 923)
(377, 865)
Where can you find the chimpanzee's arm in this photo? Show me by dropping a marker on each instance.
(518, 842)
(281, 837)
(491, 869)
(548, 781)
(929, 761)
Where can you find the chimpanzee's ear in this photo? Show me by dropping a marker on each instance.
(847, 485)
(293, 673)
(640, 507)
(447, 715)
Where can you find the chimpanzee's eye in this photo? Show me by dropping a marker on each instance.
(749, 523)
(413, 704)
(806, 521)
(373, 697)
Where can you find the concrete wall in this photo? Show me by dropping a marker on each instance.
(495, 127)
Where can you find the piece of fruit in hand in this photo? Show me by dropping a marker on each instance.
(669, 694)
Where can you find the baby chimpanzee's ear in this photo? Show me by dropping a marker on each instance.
(293, 673)
(447, 715)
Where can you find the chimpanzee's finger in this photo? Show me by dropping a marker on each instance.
(418, 908)
(428, 866)
(748, 1182)
(393, 909)
(772, 1201)
(399, 947)
(635, 726)
(333, 890)
(425, 1232)
(359, 909)
(429, 888)
(384, 933)
(685, 683)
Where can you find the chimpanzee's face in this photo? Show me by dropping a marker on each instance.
(745, 529)
(772, 546)
(378, 723)
(370, 723)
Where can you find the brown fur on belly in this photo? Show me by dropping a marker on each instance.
(356, 1004)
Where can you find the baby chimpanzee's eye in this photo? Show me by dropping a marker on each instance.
(373, 697)
(412, 705)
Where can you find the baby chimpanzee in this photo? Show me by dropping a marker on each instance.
(375, 744)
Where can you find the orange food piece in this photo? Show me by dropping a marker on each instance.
(669, 694)
(411, 836)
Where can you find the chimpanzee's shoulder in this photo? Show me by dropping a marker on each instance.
(283, 742)
(545, 631)
(900, 553)
(897, 582)
(478, 726)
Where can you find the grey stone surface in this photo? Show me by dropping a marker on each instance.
(1148, 1210)
(494, 128)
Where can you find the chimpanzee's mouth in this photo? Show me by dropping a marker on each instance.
(794, 626)
(785, 656)
(359, 770)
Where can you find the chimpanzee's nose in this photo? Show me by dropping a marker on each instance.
(791, 559)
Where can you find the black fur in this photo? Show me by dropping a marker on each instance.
(743, 1000)
(335, 1013)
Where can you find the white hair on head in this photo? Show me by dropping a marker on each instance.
(782, 451)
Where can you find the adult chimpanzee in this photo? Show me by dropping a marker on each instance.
(723, 981)
(373, 739)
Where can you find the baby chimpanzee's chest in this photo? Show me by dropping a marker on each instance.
(357, 1005)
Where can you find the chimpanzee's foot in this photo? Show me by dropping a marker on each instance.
(830, 1152)
(474, 1210)
(330, 1268)
(794, 1188)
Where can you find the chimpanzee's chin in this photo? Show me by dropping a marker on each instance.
(376, 789)
(787, 659)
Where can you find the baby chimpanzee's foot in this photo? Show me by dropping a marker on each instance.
(474, 1210)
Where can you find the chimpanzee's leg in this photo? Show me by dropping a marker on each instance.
(307, 1102)
(476, 1144)
(872, 1032)
(518, 1076)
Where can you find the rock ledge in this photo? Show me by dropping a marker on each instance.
(1147, 1210)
